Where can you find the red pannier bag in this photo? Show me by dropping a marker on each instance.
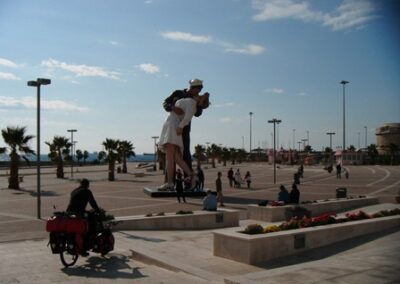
(66, 224)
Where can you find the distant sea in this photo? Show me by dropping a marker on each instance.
(92, 157)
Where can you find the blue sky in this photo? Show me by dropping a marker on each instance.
(112, 63)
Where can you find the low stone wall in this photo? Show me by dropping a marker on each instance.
(252, 249)
(277, 213)
(199, 220)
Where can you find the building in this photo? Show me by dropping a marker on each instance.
(386, 134)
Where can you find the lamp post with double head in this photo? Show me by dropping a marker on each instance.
(330, 141)
(275, 121)
(155, 152)
(37, 84)
(72, 150)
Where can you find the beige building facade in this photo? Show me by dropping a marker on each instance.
(386, 134)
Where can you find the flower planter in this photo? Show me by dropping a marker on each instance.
(252, 249)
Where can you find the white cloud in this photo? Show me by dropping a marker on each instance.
(30, 103)
(229, 104)
(8, 76)
(182, 36)
(149, 68)
(7, 63)
(225, 120)
(350, 14)
(112, 42)
(275, 90)
(252, 49)
(81, 70)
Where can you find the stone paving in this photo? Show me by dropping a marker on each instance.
(23, 238)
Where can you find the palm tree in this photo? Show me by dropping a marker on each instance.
(393, 149)
(79, 156)
(85, 156)
(233, 154)
(308, 149)
(213, 152)
(59, 152)
(101, 156)
(225, 155)
(351, 148)
(17, 141)
(125, 150)
(241, 154)
(372, 153)
(199, 154)
(111, 147)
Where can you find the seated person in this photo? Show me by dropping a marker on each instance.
(294, 194)
(210, 202)
(283, 195)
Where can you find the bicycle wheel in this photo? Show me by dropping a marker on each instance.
(67, 257)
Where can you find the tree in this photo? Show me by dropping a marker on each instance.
(351, 148)
(199, 154)
(17, 141)
(233, 155)
(372, 153)
(241, 155)
(111, 147)
(328, 154)
(125, 150)
(79, 155)
(213, 152)
(225, 155)
(308, 149)
(85, 156)
(101, 156)
(393, 149)
(59, 152)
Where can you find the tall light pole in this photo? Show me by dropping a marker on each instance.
(308, 137)
(330, 142)
(155, 152)
(365, 137)
(251, 114)
(344, 113)
(274, 121)
(72, 150)
(37, 84)
(299, 142)
(294, 138)
(358, 134)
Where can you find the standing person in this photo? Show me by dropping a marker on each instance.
(294, 194)
(171, 141)
(218, 186)
(338, 171)
(247, 179)
(195, 86)
(200, 175)
(230, 177)
(238, 178)
(179, 186)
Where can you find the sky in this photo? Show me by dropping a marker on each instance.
(113, 62)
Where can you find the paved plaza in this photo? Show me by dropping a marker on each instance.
(25, 258)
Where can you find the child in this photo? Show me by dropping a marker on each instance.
(179, 186)
(247, 178)
(171, 136)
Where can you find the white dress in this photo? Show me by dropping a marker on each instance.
(173, 121)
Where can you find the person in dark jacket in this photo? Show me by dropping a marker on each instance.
(80, 197)
(294, 194)
(283, 195)
(195, 87)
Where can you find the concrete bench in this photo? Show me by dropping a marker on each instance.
(252, 249)
(199, 220)
(278, 213)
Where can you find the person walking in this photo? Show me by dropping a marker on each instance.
(200, 175)
(247, 179)
(218, 186)
(230, 177)
(179, 186)
(238, 179)
(338, 171)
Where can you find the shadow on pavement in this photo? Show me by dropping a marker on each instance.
(324, 252)
(34, 192)
(106, 267)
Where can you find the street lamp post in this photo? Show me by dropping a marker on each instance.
(72, 150)
(344, 113)
(365, 137)
(37, 84)
(330, 142)
(294, 138)
(299, 142)
(251, 114)
(308, 137)
(155, 152)
(274, 121)
(304, 143)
